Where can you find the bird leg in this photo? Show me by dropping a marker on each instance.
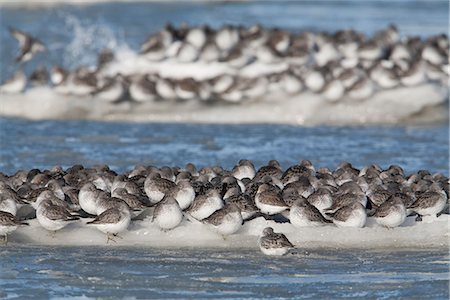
(110, 237)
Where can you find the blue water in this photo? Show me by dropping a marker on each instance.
(75, 34)
(49, 272)
(43, 144)
(44, 272)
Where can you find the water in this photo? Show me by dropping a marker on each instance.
(43, 144)
(29, 272)
(114, 272)
(75, 34)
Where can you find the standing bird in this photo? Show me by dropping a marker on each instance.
(8, 203)
(112, 221)
(205, 204)
(321, 199)
(272, 243)
(53, 217)
(184, 193)
(226, 220)
(156, 187)
(244, 169)
(430, 203)
(88, 197)
(351, 215)
(391, 213)
(269, 201)
(29, 46)
(167, 214)
(245, 203)
(304, 214)
(8, 224)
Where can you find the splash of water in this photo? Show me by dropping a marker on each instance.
(88, 39)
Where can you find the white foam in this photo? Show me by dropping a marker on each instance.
(431, 232)
(385, 107)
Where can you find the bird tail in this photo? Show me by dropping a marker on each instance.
(93, 221)
(371, 212)
(329, 215)
(326, 220)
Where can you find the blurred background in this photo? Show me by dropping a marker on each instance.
(75, 34)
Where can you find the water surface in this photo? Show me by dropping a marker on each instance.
(43, 144)
(46, 272)
(75, 34)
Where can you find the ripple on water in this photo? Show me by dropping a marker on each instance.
(120, 272)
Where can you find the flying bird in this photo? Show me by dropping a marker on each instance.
(29, 46)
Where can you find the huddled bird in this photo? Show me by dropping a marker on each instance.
(221, 200)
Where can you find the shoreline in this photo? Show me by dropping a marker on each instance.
(430, 233)
(404, 105)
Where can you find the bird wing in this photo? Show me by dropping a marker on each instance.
(383, 210)
(316, 215)
(342, 214)
(109, 216)
(37, 46)
(272, 199)
(20, 36)
(266, 170)
(133, 201)
(197, 203)
(165, 185)
(243, 201)
(424, 199)
(56, 212)
(283, 241)
(7, 219)
(215, 218)
(275, 240)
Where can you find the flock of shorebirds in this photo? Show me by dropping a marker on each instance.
(341, 65)
(220, 199)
